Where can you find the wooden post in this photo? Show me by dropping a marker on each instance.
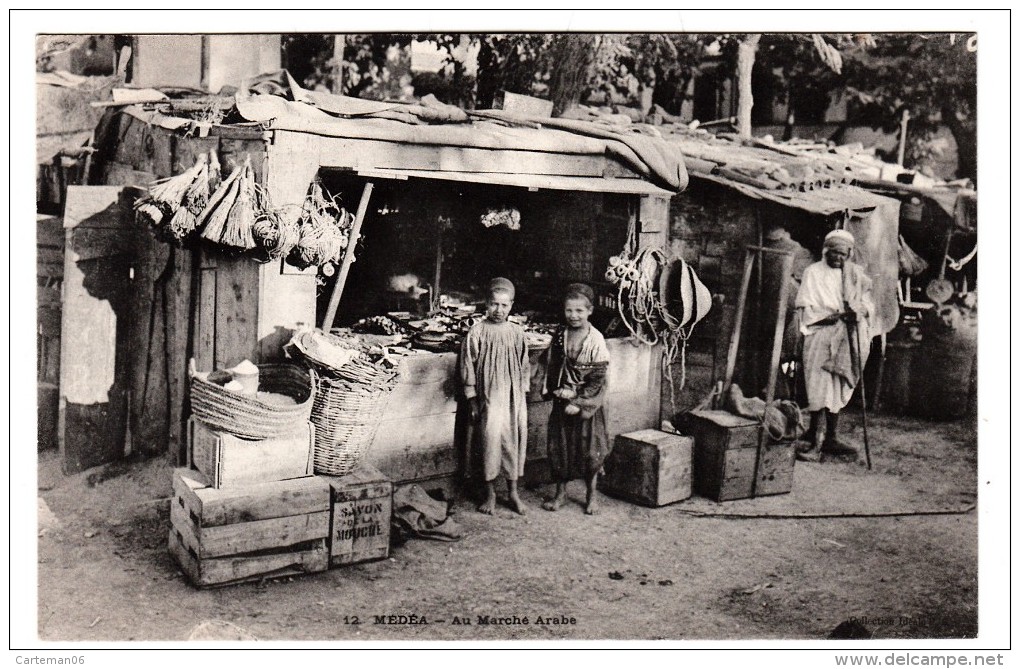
(345, 266)
(738, 323)
(777, 349)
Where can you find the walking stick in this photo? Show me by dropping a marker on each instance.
(851, 330)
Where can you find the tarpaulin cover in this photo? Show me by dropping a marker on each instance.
(876, 232)
(434, 123)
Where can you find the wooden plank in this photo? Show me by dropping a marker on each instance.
(205, 321)
(50, 255)
(188, 149)
(98, 207)
(49, 231)
(426, 462)
(248, 537)
(308, 559)
(50, 271)
(126, 175)
(233, 152)
(211, 507)
(177, 300)
(237, 306)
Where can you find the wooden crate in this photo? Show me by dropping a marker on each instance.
(225, 536)
(361, 510)
(650, 467)
(725, 448)
(229, 461)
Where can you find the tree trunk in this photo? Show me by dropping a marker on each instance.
(573, 57)
(965, 134)
(745, 63)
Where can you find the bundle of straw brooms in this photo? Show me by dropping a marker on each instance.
(238, 214)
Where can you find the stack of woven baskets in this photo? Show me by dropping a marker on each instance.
(350, 398)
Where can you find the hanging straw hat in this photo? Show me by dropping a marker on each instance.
(686, 299)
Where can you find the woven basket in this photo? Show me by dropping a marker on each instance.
(346, 416)
(247, 416)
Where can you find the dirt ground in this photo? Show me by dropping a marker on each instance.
(678, 572)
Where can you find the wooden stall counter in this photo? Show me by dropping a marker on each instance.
(420, 433)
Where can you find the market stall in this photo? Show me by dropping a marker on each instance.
(443, 196)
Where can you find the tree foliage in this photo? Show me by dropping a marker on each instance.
(933, 76)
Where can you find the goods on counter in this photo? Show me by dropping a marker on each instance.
(248, 416)
(383, 325)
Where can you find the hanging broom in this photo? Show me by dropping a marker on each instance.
(168, 197)
(195, 200)
(214, 218)
(237, 230)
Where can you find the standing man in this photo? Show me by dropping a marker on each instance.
(834, 299)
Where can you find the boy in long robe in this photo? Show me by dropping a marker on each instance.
(834, 300)
(495, 374)
(577, 379)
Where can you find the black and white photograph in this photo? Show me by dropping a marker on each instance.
(505, 329)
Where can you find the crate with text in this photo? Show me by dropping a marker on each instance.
(725, 452)
(650, 467)
(229, 461)
(362, 507)
(265, 530)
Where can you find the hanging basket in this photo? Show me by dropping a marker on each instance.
(346, 416)
(249, 416)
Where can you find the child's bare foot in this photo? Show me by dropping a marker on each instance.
(591, 506)
(516, 504)
(488, 506)
(554, 503)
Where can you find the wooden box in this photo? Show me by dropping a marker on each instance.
(225, 536)
(361, 510)
(650, 467)
(725, 449)
(229, 461)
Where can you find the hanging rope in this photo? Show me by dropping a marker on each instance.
(643, 310)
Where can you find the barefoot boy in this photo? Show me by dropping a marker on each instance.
(494, 372)
(578, 361)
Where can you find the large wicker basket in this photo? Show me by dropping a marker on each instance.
(248, 416)
(346, 416)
